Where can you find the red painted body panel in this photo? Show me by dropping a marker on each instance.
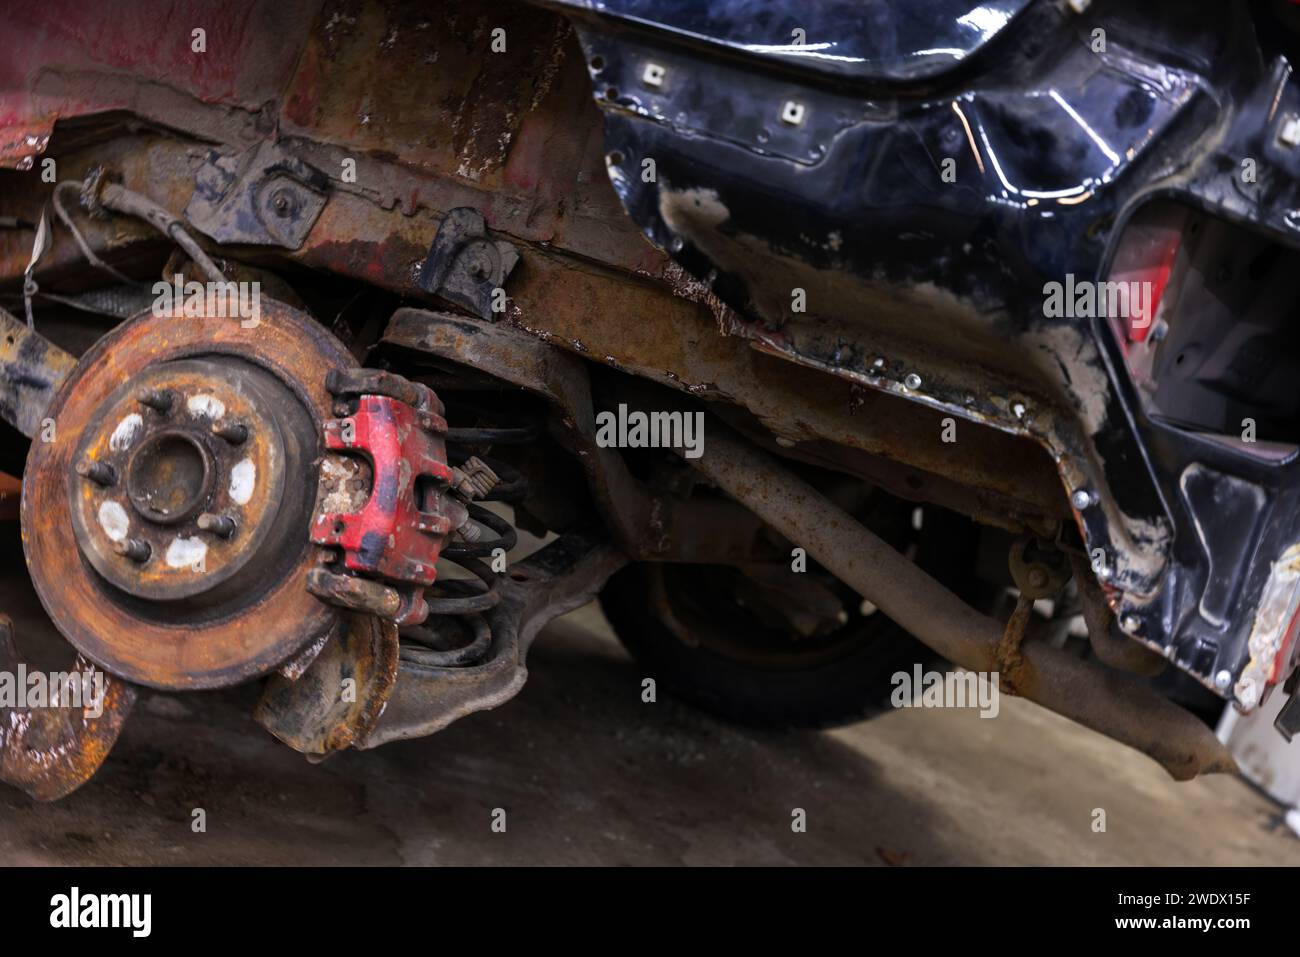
(75, 59)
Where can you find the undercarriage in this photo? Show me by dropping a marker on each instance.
(348, 344)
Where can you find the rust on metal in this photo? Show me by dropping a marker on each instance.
(513, 139)
(31, 370)
(398, 533)
(559, 578)
(241, 607)
(11, 491)
(1113, 650)
(1010, 660)
(168, 467)
(52, 750)
(1117, 705)
(337, 701)
(569, 288)
(358, 594)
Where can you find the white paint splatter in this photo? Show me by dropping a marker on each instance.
(186, 553)
(113, 520)
(243, 477)
(206, 406)
(126, 432)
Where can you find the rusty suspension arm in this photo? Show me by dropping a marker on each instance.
(1117, 705)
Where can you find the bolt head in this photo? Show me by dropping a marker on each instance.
(912, 381)
(285, 203)
(1130, 623)
(1081, 499)
(1223, 680)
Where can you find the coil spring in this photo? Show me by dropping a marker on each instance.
(458, 606)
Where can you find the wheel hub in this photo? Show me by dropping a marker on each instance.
(169, 476)
(180, 479)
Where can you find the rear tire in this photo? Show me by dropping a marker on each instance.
(740, 668)
(712, 637)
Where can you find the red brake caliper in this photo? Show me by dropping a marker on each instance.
(392, 541)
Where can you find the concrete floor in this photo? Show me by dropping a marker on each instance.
(588, 774)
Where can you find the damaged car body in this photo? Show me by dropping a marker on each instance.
(945, 281)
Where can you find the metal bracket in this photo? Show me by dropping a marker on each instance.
(1039, 568)
(262, 197)
(31, 370)
(464, 265)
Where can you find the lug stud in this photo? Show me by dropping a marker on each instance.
(160, 400)
(101, 473)
(222, 525)
(134, 549)
(233, 432)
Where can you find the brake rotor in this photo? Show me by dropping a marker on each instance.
(165, 527)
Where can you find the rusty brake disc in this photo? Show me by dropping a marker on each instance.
(165, 524)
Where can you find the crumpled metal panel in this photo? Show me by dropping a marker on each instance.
(923, 226)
